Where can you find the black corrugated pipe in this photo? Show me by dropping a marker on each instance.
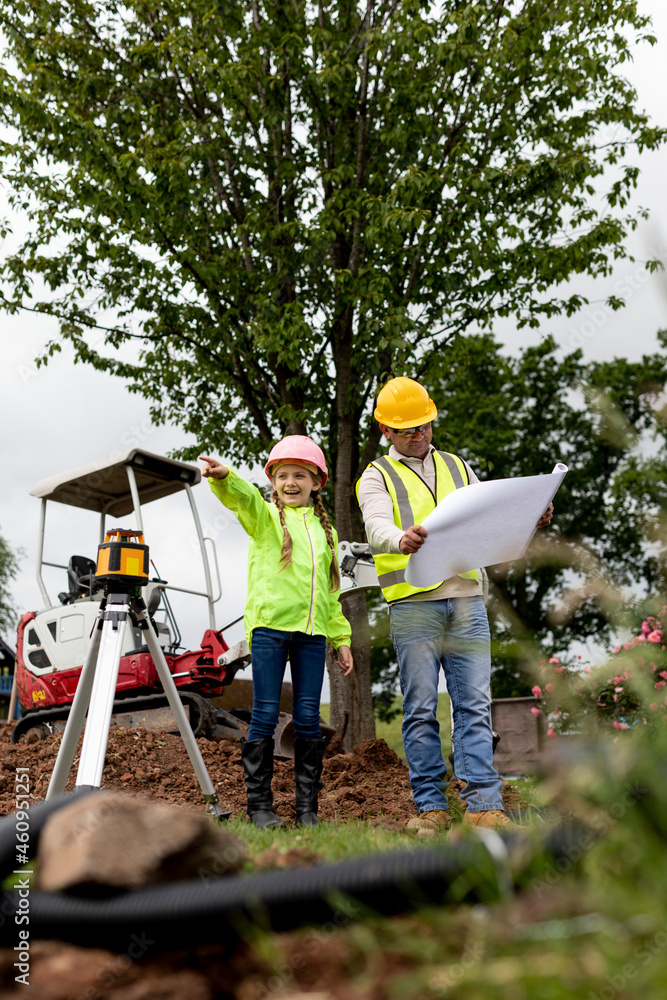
(38, 814)
(186, 914)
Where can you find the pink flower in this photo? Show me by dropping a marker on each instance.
(558, 670)
(655, 637)
(550, 732)
(620, 725)
(554, 659)
(549, 687)
(659, 684)
(654, 706)
(537, 691)
(535, 711)
(617, 649)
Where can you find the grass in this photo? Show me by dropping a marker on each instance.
(330, 841)
(590, 924)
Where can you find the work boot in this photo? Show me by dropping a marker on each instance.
(257, 757)
(427, 824)
(490, 818)
(308, 757)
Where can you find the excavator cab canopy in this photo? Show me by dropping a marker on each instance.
(116, 487)
(113, 485)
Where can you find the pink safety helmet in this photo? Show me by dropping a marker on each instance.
(299, 449)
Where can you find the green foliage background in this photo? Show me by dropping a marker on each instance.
(266, 208)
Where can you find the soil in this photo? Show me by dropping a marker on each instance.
(370, 784)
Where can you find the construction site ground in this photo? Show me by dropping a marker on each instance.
(370, 785)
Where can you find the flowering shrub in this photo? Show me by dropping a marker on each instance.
(630, 689)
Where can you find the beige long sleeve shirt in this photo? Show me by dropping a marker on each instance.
(385, 536)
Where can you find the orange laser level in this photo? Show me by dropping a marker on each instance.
(120, 558)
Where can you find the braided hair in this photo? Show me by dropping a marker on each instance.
(286, 549)
(334, 574)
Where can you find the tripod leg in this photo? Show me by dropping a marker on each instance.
(96, 735)
(77, 714)
(162, 667)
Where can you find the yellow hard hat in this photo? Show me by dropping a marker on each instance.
(402, 402)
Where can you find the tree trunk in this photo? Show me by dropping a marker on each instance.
(352, 695)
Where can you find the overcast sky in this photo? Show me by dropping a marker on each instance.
(64, 416)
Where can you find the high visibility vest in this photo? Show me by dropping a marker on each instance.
(413, 500)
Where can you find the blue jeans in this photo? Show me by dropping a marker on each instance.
(270, 651)
(452, 634)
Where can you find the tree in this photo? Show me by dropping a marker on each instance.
(279, 203)
(9, 565)
(517, 416)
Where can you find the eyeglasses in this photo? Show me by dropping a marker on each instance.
(409, 432)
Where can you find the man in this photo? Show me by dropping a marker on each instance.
(442, 626)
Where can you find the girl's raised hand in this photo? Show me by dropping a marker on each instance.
(345, 661)
(213, 468)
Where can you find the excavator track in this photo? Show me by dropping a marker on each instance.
(150, 711)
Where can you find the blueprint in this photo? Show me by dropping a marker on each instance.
(481, 525)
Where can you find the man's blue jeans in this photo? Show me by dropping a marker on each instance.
(270, 651)
(452, 634)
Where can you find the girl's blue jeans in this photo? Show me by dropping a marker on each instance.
(270, 651)
(452, 634)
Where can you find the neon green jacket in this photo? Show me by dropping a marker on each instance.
(298, 599)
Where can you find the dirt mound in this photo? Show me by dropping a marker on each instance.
(370, 784)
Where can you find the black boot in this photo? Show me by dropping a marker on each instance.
(257, 757)
(308, 757)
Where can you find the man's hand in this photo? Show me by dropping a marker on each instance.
(345, 661)
(546, 517)
(413, 539)
(213, 468)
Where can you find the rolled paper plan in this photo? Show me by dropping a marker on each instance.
(481, 525)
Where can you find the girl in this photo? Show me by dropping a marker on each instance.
(292, 609)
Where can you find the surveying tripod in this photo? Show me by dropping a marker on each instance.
(122, 568)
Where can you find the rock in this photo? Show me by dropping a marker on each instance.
(122, 841)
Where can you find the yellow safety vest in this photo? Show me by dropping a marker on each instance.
(413, 500)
